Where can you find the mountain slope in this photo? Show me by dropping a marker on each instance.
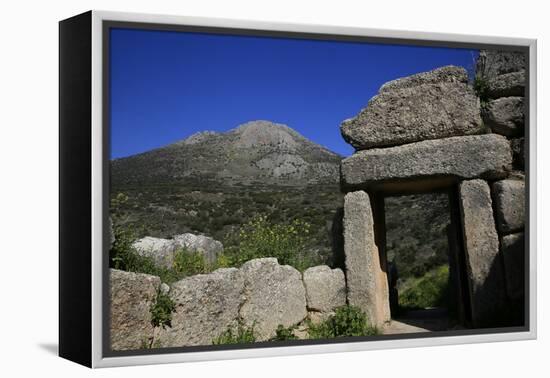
(255, 153)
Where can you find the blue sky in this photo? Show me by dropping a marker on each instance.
(166, 86)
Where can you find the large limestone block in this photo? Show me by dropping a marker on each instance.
(491, 63)
(509, 205)
(161, 251)
(483, 261)
(206, 306)
(132, 295)
(366, 280)
(513, 251)
(486, 156)
(273, 295)
(325, 288)
(506, 85)
(505, 116)
(430, 105)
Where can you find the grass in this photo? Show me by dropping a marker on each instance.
(347, 321)
(242, 335)
(430, 290)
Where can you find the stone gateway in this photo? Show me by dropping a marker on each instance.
(429, 132)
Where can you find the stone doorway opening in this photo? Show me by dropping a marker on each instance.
(418, 235)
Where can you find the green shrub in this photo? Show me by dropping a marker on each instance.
(189, 263)
(431, 290)
(260, 238)
(242, 335)
(481, 88)
(282, 333)
(161, 311)
(347, 321)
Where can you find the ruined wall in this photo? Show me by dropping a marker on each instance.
(261, 294)
(430, 131)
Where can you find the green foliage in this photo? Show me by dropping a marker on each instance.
(161, 311)
(242, 335)
(431, 290)
(189, 263)
(481, 88)
(347, 321)
(282, 333)
(261, 238)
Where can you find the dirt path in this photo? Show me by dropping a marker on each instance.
(427, 320)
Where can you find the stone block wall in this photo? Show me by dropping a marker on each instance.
(432, 131)
(261, 295)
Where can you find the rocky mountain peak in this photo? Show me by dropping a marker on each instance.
(265, 133)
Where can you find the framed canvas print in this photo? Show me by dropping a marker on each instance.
(233, 189)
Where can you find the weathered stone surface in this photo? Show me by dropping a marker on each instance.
(483, 262)
(510, 84)
(513, 252)
(366, 281)
(505, 116)
(509, 198)
(206, 306)
(431, 105)
(325, 288)
(518, 153)
(491, 63)
(274, 295)
(486, 156)
(205, 245)
(160, 250)
(447, 74)
(132, 295)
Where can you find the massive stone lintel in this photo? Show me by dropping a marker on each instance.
(430, 105)
(481, 244)
(477, 156)
(367, 282)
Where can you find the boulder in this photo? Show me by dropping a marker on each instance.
(513, 252)
(491, 63)
(160, 250)
(518, 153)
(325, 288)
(509, 198)
(481, 245)
(510, 84)
(132, 295)
(367, 283)
(487, 156)
(274, 295)
(205, 245)
(432, 105)
(206, 306)
(505, 116)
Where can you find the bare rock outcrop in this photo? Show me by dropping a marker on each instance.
(430, 105)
